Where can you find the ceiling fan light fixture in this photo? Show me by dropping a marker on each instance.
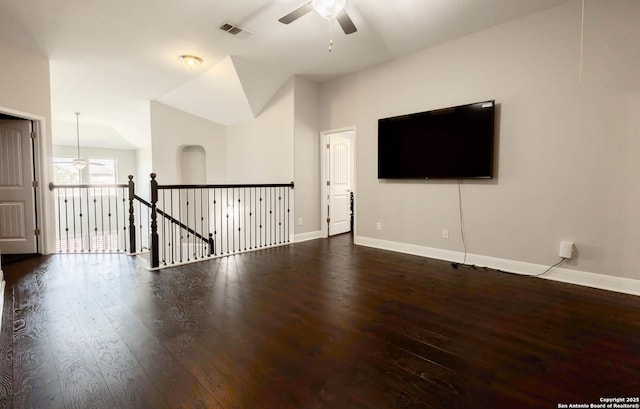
(79, 163)
(328, 9)
(190, 61)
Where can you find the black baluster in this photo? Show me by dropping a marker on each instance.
(124, 221)
(180, 216)
(132, 217)
(280, 214)
(202, 233)
(115, 207)
(95, 219)
(215, 229)
(155, 262)
(239, 222)
(173, 232)
(187, 213)
(250, 217)
(227, 231)
(102, 219)
(260, 217)
(73, 209)
(164, 236)
(233, 219)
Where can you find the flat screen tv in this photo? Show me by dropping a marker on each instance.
(455, 142)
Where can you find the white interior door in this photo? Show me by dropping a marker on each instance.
(17, 217)
(340, 179)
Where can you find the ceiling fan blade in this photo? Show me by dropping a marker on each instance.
(96, 164)
(345, 22)
(297, 13)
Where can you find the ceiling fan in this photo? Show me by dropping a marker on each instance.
(78, 162)
(329, 9)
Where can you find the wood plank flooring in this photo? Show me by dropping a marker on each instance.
(320, 324)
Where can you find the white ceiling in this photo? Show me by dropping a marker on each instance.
(110, 58)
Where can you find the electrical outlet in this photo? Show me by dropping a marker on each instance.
(378, 226)
(445, 233)
(300, 221)
(566, 249)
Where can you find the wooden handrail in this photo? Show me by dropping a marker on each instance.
(172, 219)
(53, 186)
(228, 186)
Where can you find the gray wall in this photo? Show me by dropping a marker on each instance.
(566, 166)
(307, 155)
(172, 130)
(261, 150)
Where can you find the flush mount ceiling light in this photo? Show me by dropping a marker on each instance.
(328, 9)
(190, 61)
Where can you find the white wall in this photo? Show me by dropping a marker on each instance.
(125, 158)
(171, 130)
(143, 170)
(567, 166)
(261, 150)
(25, 92)
(307, 155)
(193, 162)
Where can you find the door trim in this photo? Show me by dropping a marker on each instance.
(324, 159)
(43, 202)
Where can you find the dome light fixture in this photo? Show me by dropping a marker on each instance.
(190, 61)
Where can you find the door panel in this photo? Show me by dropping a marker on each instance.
(17, 223)
(340, 169)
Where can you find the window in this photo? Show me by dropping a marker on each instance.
(99, 171)
(102, 171)
(64, 173)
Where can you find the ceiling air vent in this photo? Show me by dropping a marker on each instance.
(235, 31)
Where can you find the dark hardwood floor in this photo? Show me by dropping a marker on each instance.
(320, 324)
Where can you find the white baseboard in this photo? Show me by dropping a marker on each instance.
(565, 275)
(312, 235)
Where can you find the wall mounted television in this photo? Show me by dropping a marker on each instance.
(449, 143)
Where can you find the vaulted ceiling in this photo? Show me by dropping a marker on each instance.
(110, 58)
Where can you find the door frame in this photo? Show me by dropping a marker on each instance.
(324, 163)
(42, 198)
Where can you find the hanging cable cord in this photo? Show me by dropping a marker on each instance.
(464, 240)
(558, 264)
(581, 43)
(462, 235)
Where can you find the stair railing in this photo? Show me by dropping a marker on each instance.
(215, 220)
(180, 224)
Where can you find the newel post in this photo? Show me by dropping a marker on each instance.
(155, 256)
(211, 245)
(132, 219)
